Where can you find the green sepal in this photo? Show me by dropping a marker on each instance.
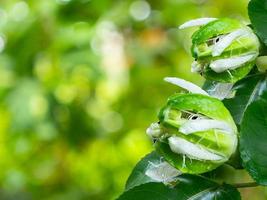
(184, 165)
(215, 28)
(230, 76)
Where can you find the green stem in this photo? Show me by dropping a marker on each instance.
(261, 63)
(245, 185)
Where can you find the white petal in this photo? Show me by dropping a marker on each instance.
(196, 22)
(182, 146)
(221, 90)
(195, 67)
(186, 85)
(153, 130)
(192, 126)
(226, 41)
(162, 172)
(222, 65)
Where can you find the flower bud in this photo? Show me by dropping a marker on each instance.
(197, 133)
(225, 50)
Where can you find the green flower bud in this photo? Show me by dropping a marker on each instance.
(197, 133)
(225, 50)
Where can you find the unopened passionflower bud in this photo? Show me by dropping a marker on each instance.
(197, 132)
(225, 50)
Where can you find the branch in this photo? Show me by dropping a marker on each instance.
(244, 185)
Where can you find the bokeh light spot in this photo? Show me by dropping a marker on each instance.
(19, 11)
(63, 1)
(140, 10)
(3, 17)
(2, 43)
(112, 121)
(65, 93)
(38, 105)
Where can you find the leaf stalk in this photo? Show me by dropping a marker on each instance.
(245, 185)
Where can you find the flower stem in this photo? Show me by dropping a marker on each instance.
(244, 185)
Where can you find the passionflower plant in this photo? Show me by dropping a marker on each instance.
(225, 50)
(195, 132)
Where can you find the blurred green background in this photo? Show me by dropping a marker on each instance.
(80, 81)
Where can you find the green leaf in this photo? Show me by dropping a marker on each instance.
(149, 191)
(257, 11)
(188, 187)
(253, 140)
(197, 188)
